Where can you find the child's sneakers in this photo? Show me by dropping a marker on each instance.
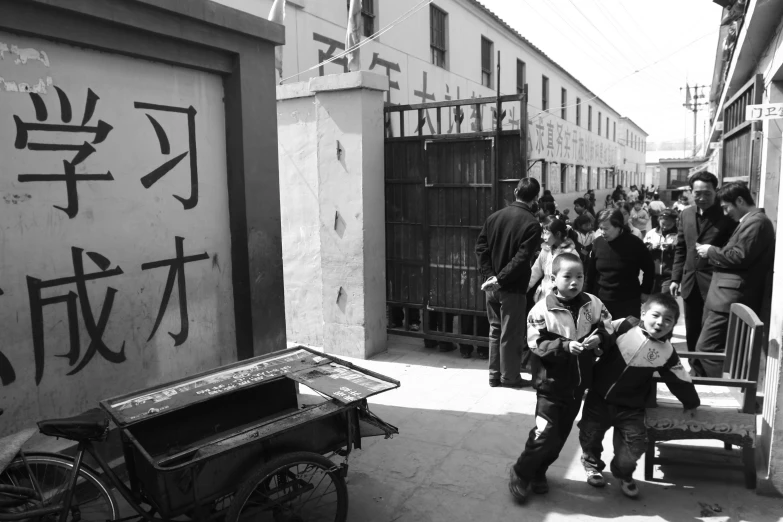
(595, 478)
(629, 489)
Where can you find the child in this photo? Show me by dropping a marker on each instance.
(661, 242)
(585, 234)
(622, 384)
(556, 242)
(625, 208)
(564, 216)
(564, 332)
(639, 217)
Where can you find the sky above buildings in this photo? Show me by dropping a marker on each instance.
(602, 43)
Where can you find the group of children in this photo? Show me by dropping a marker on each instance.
(578, 347)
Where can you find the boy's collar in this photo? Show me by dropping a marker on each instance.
(553, 301)
(664, 339)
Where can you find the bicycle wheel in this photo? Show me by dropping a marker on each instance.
(92, 499)
(297, 487)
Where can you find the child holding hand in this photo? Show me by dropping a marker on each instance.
(565, 331)
(622, 385)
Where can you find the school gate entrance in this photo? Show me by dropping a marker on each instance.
(448, 166)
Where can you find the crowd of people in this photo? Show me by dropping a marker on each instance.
(593, 301)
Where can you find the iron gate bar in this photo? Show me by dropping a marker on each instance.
(456, 180)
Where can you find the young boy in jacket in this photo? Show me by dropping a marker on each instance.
(622, 385)
(564, 332)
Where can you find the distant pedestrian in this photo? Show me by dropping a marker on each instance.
(741, 271)
(618, 194)
(633, 195)
(565, 332)
(623, 384)
(682, 203)
(661, 242)
(615, 263)
(639, 217)
(656, 207)
(626, 209)
(581, 206)
(584, 226)
(504, 250)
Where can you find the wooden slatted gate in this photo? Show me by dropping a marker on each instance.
(741, 138)
(441, 185)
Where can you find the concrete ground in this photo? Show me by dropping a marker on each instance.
(458, 438)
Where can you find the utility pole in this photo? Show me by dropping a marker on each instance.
(692, 104)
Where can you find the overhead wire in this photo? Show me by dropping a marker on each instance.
(412, 11)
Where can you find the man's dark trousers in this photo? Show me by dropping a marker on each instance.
(507, 316)
(554, 419)
(694, 317)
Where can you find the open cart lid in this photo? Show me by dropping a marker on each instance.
(338, 379)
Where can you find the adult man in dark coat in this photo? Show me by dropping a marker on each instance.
(741, 271)
(505, 249)
(706, 224)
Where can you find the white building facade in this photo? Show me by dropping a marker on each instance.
(448, 50)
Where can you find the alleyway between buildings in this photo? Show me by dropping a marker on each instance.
(458, 438)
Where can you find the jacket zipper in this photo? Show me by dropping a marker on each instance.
(627, 365)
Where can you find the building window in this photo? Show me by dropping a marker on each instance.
(438, 36)
(564, 178)
(627, 143)
(563, 103)
(544, 176)
(521, 76)
(614, 131)
(589, 118)
(598, 179)
(544, 93)
(607, 128)
(676, 177)
(486, 62)
(599, 123)
(579, 112)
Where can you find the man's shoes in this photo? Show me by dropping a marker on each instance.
(494, 383)
(521, 383)
(517, 486)
(629, 489)
(540, 486)
(595, 479)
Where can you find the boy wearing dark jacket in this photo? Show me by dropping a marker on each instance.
(622, 386)
(564, 333)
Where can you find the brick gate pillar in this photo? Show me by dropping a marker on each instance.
(331, 154)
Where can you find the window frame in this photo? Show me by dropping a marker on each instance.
(590, 118)
(564, 103)
(521, 67)
(544, 92)
(579, 112)
(607, 127)
(439, 49)
(600, 117)
(487, 71)
(614, 131)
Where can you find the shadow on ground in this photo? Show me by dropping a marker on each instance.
(458, 438)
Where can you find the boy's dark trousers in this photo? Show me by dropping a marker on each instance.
(630, 435)
(554, 419)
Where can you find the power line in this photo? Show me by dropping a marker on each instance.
(601, 33)
(415, 9)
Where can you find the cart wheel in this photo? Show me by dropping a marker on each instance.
(296, 487)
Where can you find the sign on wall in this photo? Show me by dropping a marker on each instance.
(764, 111)
(115, 265)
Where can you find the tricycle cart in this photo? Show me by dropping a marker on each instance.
(244, 442)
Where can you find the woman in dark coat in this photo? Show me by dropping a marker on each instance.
(614, 265)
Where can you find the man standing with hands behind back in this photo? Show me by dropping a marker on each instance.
(504, 249)
(702, 223)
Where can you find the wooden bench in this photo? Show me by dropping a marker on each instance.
(728, 404)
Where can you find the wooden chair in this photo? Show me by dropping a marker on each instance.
(728, 417)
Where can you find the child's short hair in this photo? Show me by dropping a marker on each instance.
(665, 300)
(564, 258)
(585, 217)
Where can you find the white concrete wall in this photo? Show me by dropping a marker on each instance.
(406, 48)
(120, 225)
(332, 200)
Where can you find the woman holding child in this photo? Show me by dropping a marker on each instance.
(614, 265)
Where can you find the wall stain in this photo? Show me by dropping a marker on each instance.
(16, 198)
(216, 263)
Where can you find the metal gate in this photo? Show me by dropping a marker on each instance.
(442, 182)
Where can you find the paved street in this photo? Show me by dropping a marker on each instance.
(458, 438)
